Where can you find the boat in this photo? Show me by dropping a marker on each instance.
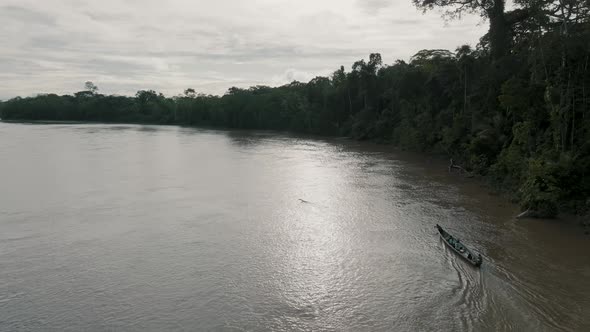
(458, 247)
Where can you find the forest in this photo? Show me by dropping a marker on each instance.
(513, 109)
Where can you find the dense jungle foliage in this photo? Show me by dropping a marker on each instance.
(514, 109)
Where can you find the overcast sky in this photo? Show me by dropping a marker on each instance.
(127, 45)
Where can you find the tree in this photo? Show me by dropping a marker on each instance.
(89, 86)
(190, 93)
(465, 62)
(501, 21)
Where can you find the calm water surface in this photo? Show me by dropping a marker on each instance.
(116, 227)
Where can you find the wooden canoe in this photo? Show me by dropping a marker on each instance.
(459, 248)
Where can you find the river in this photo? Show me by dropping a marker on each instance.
(130, 227)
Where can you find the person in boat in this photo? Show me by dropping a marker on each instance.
(454, 242)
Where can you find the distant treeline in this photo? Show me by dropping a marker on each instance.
(514, 110)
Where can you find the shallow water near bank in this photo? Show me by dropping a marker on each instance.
(130, 227)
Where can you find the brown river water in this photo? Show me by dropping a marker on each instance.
(148, 228)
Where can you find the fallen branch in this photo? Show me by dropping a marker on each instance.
(452, 166)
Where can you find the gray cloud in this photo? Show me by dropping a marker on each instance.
(123, 46)
(19, 14)
(373, 6)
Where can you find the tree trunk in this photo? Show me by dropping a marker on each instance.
(349, 103)
(465, 93)
(572, 146)
(584, 90)
(499, 30)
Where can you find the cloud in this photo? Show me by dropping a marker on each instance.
(293, 74)
(123, 46)
(20, 14)
(373, 6)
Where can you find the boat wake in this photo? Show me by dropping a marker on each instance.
(468, 294)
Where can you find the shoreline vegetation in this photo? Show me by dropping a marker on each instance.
(514, 109)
